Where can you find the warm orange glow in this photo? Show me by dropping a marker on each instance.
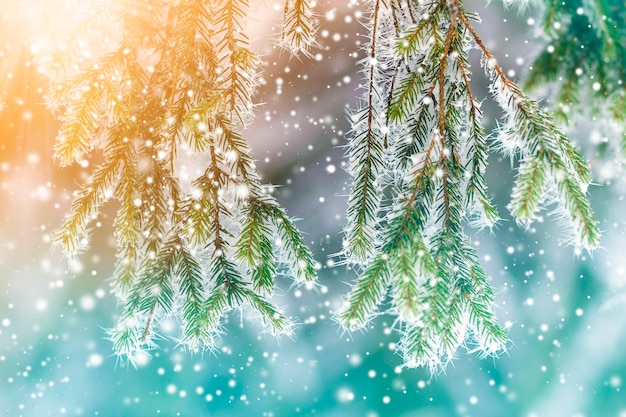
(25, 125)
(30, 30)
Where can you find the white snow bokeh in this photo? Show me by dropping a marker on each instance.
(565, 312)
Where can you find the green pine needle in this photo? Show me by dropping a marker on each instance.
(178, 83)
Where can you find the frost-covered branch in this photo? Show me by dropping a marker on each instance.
(584, 56)
(417, 250)
(299, 27)
(178, 82)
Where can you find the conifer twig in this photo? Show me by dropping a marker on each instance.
(418, 250)
(185, 75)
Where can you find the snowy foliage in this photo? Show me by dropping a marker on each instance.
(179, 81)
(418, 153)
(584, 59)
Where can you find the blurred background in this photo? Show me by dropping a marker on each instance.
(566, 312)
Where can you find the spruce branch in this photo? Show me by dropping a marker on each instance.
(366, 152)
(299, 27)
(583, 37)
(72, 234)
(299, 257)
(417, 250)
(125, 272)
(179, 83)
(529, 188)
(538, 133)
(255, 247)
(279, 324)
(368, 292)
(189, 272)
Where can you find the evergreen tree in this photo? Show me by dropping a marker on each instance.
(180, 80)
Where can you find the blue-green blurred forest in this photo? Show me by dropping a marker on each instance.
(566, 312)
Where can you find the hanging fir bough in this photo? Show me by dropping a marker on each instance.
(178, 81)
(418, 154)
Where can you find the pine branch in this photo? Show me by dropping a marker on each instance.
(150, 299)
(72, 235)
(417, 249)
(537, 134)
(279, 324)
(589, 34)
(190, 274)
(238, 63)
(369, 291)
(161, 192)
(79, 126)
(127, 222)
(477, 148)
(199, 210)
(196, 121)
(472, 285)
(529, 188)
(237, 151)
(179, 82)
(407, 285)
(298, 255)
(299, 27)
(213, 308)
(416, 39)
(255, 248)
(365, 156)
(125, 273)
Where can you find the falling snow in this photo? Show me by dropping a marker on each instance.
(565, 314)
